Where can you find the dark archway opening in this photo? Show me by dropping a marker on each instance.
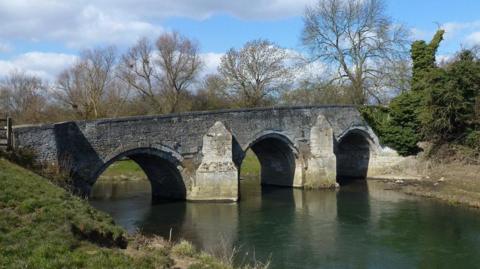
(165, 181)
(277, 161)
(353, 156)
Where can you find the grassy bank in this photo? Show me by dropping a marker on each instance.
(123, 170)
(43, 226)
(250, 165)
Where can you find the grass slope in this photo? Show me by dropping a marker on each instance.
(43, 226)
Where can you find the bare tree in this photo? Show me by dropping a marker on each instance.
(23, 97)
(162, 74)
(139, 71)
(256, 72)
(212, 94)
(358, 39)
(179, 64)
(85, 86)
(314, 92)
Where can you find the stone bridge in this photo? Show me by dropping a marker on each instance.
(197, 155)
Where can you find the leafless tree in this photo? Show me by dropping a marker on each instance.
(162, 73)
(315, 92)
(179, 64)
(22, 96)
(85, 86)
(212, 94)
(139, 71)
(358, 39)
(256, 72)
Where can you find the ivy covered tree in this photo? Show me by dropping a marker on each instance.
(423, 58)
(401, 126)
(406, 108)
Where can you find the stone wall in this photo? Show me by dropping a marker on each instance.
(296, 145)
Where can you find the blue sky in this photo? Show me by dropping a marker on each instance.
(43, 37)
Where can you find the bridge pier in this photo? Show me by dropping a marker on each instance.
(217, 176)
(321, 162)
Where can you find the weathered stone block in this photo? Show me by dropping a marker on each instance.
(321, 164)
(217, 177)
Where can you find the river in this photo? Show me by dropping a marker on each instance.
(362, 225)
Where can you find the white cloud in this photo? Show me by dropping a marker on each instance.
(79, 23)
(94, 26)
(245, 9)
(43, 65)
(211, 62)
(73, 23)
(418, 34)
(444, 58)
(473, 38)
(454, 28)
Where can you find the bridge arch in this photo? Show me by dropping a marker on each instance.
(276, 154)
(353, 151)
(160, 165)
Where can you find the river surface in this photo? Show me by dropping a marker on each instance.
(360, 226)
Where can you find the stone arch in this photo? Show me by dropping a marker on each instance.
(367, 133)
(353, 151)
(277, 156)
(161, 166)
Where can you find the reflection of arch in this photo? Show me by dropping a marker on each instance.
(353, 152)
(276, 154)
(160, 166)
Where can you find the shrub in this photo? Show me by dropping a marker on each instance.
(472, 140)
(403, 139)
(449, 108)
(184, 249)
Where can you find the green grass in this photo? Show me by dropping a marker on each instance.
(44, 226)
(184, 249)
(124, 169)
(250, 165)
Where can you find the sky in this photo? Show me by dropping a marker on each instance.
(42, 37)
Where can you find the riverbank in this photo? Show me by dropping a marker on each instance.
(43, 226)
(453, 182)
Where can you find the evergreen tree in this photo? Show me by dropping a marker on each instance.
(450, 99)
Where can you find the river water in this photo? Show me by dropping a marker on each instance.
(362, 225)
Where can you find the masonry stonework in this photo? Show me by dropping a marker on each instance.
(197, 155)
(216, 177)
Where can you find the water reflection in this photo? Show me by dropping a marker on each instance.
(105, 189)
(360, 226)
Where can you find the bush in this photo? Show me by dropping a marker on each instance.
(21, 156)
(472, 140)
(403, 139)
(184, 249)
(450, 97)
(405, 110)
